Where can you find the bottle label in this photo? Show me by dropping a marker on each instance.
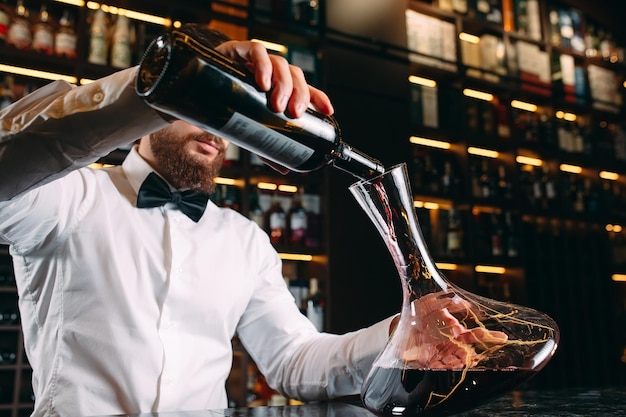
(454, 241)
(98, 50)
(298, 220)
(120, 55)
(277, 221)
(4, 24)
(264, 141)
(43, 40)
(19, 35)
(65, 44)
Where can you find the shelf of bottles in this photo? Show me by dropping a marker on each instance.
(516, 115)
(518, 138)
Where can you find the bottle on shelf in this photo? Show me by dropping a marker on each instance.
(232, 155)
(454, 234)
(512, 238)
(314, 222)
(19, 33)
(256, 211)
(98, 38)
(275, 222)
(550, 196)
(497, 236)
(220, 96)
(65, 38)
(121, 52)
(43, 34)
(505, 187)
(315, 305)
(486, 180)
(231, 197)
(7, 95)
(297, 221)
(5, 19)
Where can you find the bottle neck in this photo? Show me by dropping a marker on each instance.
(357, 163)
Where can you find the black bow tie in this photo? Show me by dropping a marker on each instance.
(154, 192)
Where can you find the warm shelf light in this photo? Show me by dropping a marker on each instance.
(79, 3)
(131, 14)
(490, 269)
(225, 181)
(446, 266)
(276, 47)
(267, 186)
(429, 142)
(522, 105)
(613, 228)
(481, 95)
(527, 160)
(613, 176)
(272, 187)
(618, 277)
(288, 188)
(295, 257)
(84, 81)
(570, 117)
(464, 36)
(574, 169)
(29, 72)
(422, 81)
(425, 204)
(482, 152)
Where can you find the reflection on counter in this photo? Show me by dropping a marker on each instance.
(559, 403)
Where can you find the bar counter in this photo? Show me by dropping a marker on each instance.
(562, 403)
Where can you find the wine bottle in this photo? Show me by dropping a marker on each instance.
(121, 53)
(5, 18)
(454, 235)
(275, 222)
(65, 38)
(232, 155)
(297, 221)
(19, 34)
(183, 76)
(98, 41)
(43, 34)
(315, 305)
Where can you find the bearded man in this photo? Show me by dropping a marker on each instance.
(131, 283)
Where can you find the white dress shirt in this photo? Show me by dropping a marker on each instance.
(129, 310)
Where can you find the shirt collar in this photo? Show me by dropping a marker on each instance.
(136, 169)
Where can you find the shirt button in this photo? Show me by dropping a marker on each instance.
(98, 96)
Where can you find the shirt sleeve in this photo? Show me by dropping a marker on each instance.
(61, 127)
(295, 358)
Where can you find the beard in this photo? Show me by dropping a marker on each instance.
(181, 168)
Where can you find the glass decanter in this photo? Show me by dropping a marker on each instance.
(452, 350)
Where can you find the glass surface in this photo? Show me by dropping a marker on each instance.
(452, 350)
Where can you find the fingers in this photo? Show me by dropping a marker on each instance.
(320, 101)
(482, 336)
(288, 89)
